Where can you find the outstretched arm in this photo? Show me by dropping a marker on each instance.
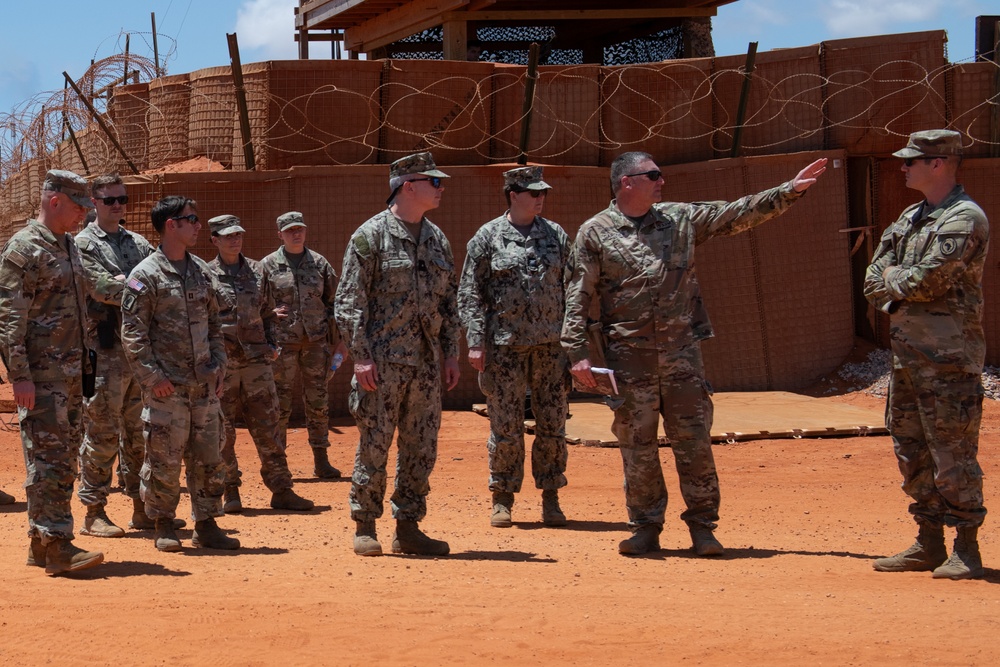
(809, 175)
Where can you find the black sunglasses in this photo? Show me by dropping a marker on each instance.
(652, 174)
(535, 194)
(434, 180)
(190, 217)
(110, 201)
(911, 160)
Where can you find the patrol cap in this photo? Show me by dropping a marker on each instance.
(290, 219)
(70, 184)
(418, 163)
(932, 143)
(224, 225)
(525, 178)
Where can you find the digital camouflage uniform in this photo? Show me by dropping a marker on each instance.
(511, 301)
(43, 320)
(249, 384)
(113, 422)
(396, 305)
(171, 331)
(307, 337)
(653, 319)
(935, 298)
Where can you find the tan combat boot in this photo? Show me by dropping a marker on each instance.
(97, 523)
(165, 538)
(703, 541)
(503, 503)
(6, 498)
(231, 501)
(321, 464)
(927, 553)
(140, 521)
(36, 553)
(208, 535)
(646, 538)
(410, 540)
(552, 514)
(61, 556)
(965, 561)
(365, 539)
(289, 500)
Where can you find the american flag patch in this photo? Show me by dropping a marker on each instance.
(134, 284)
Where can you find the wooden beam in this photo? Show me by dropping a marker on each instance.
(579, 14)
(320, 37)
(399, 23)
(455, 40)
(314, 12)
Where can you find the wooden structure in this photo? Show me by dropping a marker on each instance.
(368, 26)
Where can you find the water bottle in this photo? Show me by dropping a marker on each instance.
(335, 363)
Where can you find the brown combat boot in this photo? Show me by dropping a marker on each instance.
(926, 554)
(61, 556)
(165, 539)
(6, 498)
(410, 540)
(552, 514)
(140, 521)
(208, 535)
(965, 561)
(322, 466)
(365, 539)
(36, 553)
(502, 505)
(646, 538)
(231, 501)
(704, 543)
(97, 523)
(289, 500)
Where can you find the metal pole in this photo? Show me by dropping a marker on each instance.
(241, 101)
(156, 48)
(741, 111)
(100, 121)
(79, 151)
(529, 102)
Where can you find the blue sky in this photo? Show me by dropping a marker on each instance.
(196, 30)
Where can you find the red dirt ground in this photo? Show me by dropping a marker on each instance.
(801, 520)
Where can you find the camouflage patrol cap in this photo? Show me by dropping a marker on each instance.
(290, 219)
(525, 178)
(418, 163)
(932, 143)
(224, 225)
(72, 185)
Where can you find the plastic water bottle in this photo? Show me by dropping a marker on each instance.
(335, 363)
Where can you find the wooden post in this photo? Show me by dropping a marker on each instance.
(241, 101)
(529, 102)
(100, 121)
(741, 111)
(156, 48)
(995, 114)
(455, 40)
(79, 151)
(303, 44)
(125, 70)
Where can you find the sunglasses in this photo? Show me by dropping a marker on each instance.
(434, 181)
(190, 217)
(535, 194)
(110, 201)
(909, 162)
(653, 174)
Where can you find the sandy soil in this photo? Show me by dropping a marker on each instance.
(802, 520)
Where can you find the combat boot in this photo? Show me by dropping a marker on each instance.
(231, 502)
(410, 540)
(703, 541)
(322, 466)
(552, 514)
(502, 505)
(365, 539)
(965, 561)
(927, 553)
(6, 498)
(165, 538)
(646, 538)
(62, 556)
(289, 500)
(141, 521)
(208, 535)
(97, 523)
(36, 553)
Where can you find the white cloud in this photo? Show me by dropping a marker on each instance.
(268, 27)
(865, 17)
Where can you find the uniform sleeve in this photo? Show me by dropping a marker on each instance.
(875, 288)
(451, 325)
(17, 287)
(138, 304)
(710, 219)
(101, 283)
(330, 301)
(580, 289)
(216, 340)
(475, 274)
(351, 303)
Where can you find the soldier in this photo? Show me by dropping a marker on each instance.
(172, 338)
(249, 383)
(637, 258)
(511, 300)
(43, 340)
(397, 309)
(301, 284)
(927, 274)
(113, 425)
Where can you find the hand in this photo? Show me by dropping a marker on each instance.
(281, 312)
(581, 371)
(24, 394)
(805, 178)
(885, 272)
(366, 374)
(477, 358)
(451, 373)
(120, 277)
(163, 389)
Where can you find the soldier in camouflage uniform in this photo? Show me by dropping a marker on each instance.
(637, 258)
(927, 274)
(172, 336)
(249, 383)
(113, 425)
(43, 340)
(396, 307)
(301, 284)
(511, 300)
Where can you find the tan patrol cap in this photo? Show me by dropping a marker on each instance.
(932, 143)
(224, 225)
(70, 184)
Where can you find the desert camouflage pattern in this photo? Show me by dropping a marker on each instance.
(171, 330)
(525, 178)
(933, 293)
(249, 384)
(113, 424)
(418, 163)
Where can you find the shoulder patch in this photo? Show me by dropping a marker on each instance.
(361, 245)
(951, 244)
(136, 284)
(15, 257)
(128, 302)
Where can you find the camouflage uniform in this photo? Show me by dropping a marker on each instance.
(307, 337)
(43, 321)
(113, 413)
(934, 295)
(396, 305)
(653, 318)
(249, 382)
(171, 331)
(511, 301)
